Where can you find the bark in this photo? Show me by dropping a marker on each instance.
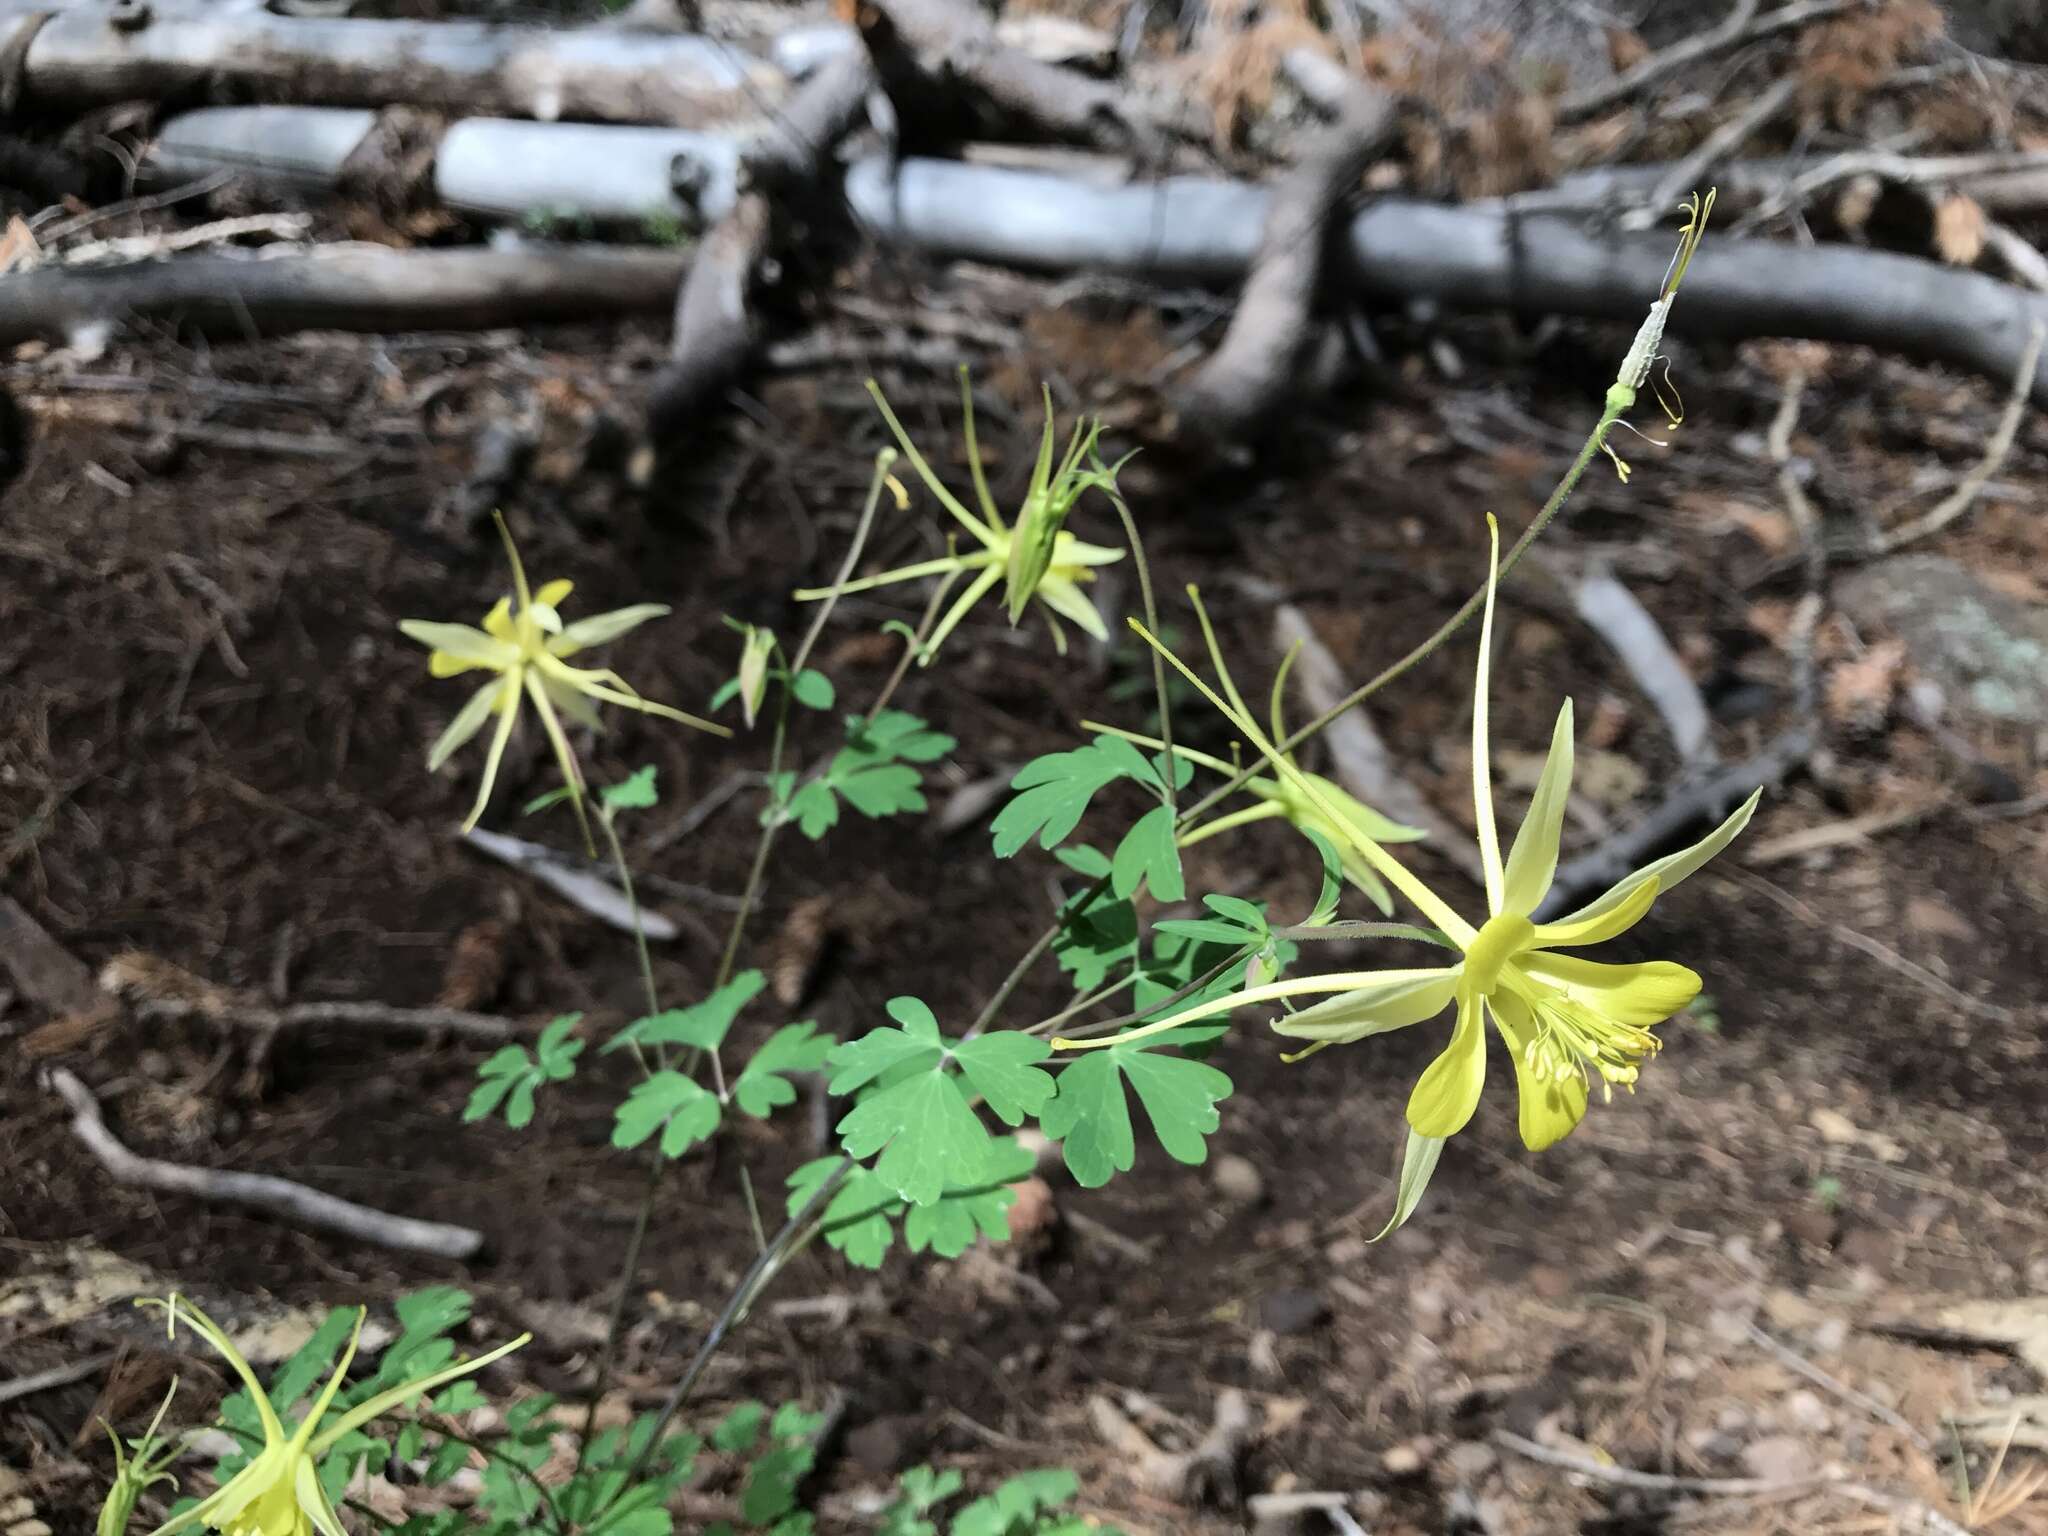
(88, 54)
(354, 289)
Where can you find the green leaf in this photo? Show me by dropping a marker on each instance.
(634, 793)
(761, 1087)
(1084, 860)
(510, 1075)
(463, 1396)
(815, 809)
(703, 1024)
(812, 689)
(885, 789)
(927, 1135)
(1091, 1118)
(635, 1522)
(449, 1458)
(887, 1050)
(895, 733)
(308, 1365)
(1235, 909)
(1001, 1069)
(1333, 879)
(1207, 930)
(770, 1492)
(1149, 853)
(1056, 790)
(856, 1219)
(740, 1429)
(1096, 941)
(950, 1225)
(1015, 1502)
(683, 1110)
(542, 801)
(557, 1049)
(727, 691)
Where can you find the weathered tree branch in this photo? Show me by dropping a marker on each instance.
(81, 57)
(357, 288)
(1743, 25)
(1246, 378)
(260, 1191)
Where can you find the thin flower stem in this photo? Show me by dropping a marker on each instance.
(854, 550)
(1130, 523)
(1075, 1009)
(1608, 417)
(1179, 995)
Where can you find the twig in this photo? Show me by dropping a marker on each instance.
(1652, 1482)
(278, 226)
(590, 892)
(260, 1191)
(1742, 26)
(1690, 172)
(2021, 257)
(1908, 1515)
(1958, 501)
(1883, 954)
(1813, 549)
(1686, 804)
(1793, 1360)
(1209, 1468)
(156, 989)
(1852, 829)
(56, 1376)
(1612, 612)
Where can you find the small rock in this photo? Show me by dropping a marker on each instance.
(1829, 1337)
(1779, 1459)
(1804, 1410)
(1292, 1310)
(1732, 1420)
(879, 1446)
(1238, 1180)
(1347, 1251)
(1471, 1460)
(1034, 1211)
(1408, 1458)
(1985, 650)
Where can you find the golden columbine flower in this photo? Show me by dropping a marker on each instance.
(524, 647)
(278, 1493)
(1567, 1022)
(1037, 558)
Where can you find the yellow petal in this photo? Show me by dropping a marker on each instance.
(508, 711)
(1371, 1010)
(385, 1401)
(1482, 768)
(460, 643)
(1070, 602)
(311, 1421)
(499, 621)
(1672, 868)
(943, 566)
(570, 701)
(1381, 829)
(602, 627)
(551, 593)
(1550, 1107)
(1636, 995)
(1068, 550)
(313, 1501)
(180, 1306)
(467, 722)
(976, 591)
(1533, 859)
(1597, 926)
(1448, 1090)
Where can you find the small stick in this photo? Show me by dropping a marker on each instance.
(1613, 613)
(155, 989)
(1652, 1482)
(1907, 1514)
(1958, 501)
(1742, 26)
(1683, 175)
(56, 1376)
(259, 1191)
(1793, 1360)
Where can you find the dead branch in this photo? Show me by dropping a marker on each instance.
(260, 1191)
(155, 989)
(1999, 182)
(1612, 612)
(1743, 25)
(1959, 501)
(1694, 170)
(80, 57)
(1651, 1482)
(715, 330)
(1247, 377)
(353, 288)
(1482, 258)
(1690, 802)
(950, 77)
(584, 886)
(1207, 1470)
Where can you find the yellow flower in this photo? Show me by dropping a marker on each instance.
(1568, 1022)
(278, 1493)
(1037, 558)
(147, 1462)
(524, 647)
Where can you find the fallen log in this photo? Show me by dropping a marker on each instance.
(106, 51)
(355, 288)
(1474, 258)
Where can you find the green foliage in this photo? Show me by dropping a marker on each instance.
(681, 1108)
(702, 1025)
(1025, 1505)
(512, 1074)
(876, 773)
(1149, 853)
(861, 1217)
(1055, 792)
(812, 689)
(636, 792)
(1091, 1117)
(762, 1086)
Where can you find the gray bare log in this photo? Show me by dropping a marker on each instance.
(81, 57)
(1475, 258)
(1247, 377)
(356, 288)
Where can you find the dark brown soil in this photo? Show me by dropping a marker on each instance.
(211, 744)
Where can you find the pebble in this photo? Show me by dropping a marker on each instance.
(1804, 1410)
(1238, 1180)
(1471, 1459)
(1779, 1458)
(1407, 1458)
